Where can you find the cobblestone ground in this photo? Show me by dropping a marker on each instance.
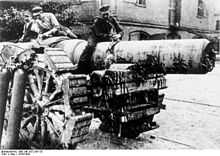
(191, 120)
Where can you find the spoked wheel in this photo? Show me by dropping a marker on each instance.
(49, 121)
(43, 114)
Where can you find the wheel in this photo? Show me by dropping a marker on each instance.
(50, 119)
(54, 98)
(43, 111)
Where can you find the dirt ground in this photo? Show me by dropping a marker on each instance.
(191, 120)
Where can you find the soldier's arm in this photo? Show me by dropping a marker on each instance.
(96, 29)
(24, 31)
(50, 32)
(117, 26)
(55, 24)
(54, 21)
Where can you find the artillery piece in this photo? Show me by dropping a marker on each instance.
(125, 97)
(52, 117)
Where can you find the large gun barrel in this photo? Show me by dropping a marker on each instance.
(187, 56)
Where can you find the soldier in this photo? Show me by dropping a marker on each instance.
(49, 25)
(104, 29)
(30, 30)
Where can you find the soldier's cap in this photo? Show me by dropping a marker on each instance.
(36, 10)
(104, 8)
(27, 14)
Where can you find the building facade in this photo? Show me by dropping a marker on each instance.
(150, 19)
(23, 4)
(155, 19)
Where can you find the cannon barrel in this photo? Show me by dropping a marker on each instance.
(188, 56)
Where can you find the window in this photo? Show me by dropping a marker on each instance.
(138, 35)
(201, 8)
(141, 2)
(218, 25)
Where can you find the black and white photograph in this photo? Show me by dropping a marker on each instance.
(109, 75)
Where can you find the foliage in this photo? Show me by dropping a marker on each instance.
(55, 7)
(12, 21)
(64, 11)
(11, 24)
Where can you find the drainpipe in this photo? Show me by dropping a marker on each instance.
(114, 7)
(174, 19)
(172, 13)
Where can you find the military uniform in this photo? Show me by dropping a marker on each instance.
(101, 31)
(29, 32)
(47, 22)
(104, 29)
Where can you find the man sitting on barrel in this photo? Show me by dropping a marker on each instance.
(49, 25)
(104, 29)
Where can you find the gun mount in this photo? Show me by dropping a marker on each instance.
(125, 100)
(125, 97)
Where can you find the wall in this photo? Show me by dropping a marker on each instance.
(87, 10)
(155, 12)
(214, 7)
(150, 31)
(189, 15)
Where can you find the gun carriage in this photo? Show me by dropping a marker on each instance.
(58, 102)
(52, 116)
